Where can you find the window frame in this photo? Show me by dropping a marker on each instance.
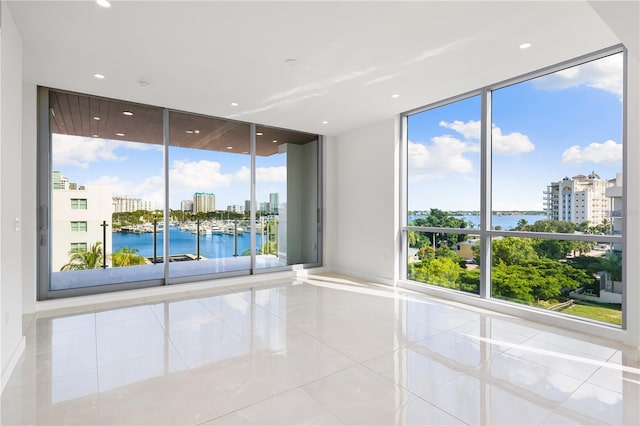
(486, 234)
(78, 204)
(80, 226)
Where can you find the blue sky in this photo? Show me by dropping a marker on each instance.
(135, 170)
(562, 124)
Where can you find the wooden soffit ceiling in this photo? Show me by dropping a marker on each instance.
(93, 117)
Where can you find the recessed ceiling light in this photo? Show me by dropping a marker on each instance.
(99, 76)
(96, 118)
(197, 132)
(525, 45)
(259, 133)
(129, 113)
(234, 104)
(95, 136)
(325, 122)
(275, 141)
(246, 152)
(229, 147)
(103, 3)
(119, 134)
(188, 131)
(395, 95)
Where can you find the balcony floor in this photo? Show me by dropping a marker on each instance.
(98, 277)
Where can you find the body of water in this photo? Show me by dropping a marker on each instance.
(507, 222)
(183, 242)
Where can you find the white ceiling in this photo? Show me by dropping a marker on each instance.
(351, 56)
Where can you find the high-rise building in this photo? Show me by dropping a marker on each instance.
(274, 202)
(186, 205)
(578, 199)
(204, 202)
(247, 206)
(58, 180)
(127, 204)
(236, 208)
(265, 208)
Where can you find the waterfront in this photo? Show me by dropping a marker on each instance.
(182, 242)
(507, 222)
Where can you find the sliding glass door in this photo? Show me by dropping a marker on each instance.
(133, 196)
(209, 185)
(105, 191)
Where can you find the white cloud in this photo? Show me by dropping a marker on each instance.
(80, 152)
(608, 152)
(470, 129)
(445, 155)
(509, 144)
(604, 74)
(263, 174)
(150, 189)
(194, 176)
(271, 174)
(77, 151)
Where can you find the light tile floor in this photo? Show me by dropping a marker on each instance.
(326, 350)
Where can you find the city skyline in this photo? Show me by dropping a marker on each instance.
(563, 124)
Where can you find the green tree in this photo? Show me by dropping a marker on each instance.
(511, 282)
(513, 251)
(612, 264)
(442, 219)
(443, 272)
(126, 257)
(469, 280)
(553, 249)
(82, 259)
(583, 247)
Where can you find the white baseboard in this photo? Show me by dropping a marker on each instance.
(366, 277)
(11, 365)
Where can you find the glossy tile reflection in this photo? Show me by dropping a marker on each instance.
(325, 350)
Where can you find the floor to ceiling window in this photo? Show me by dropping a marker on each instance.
(443, 199)
(134, 196)
(529, 176)
(209, 183)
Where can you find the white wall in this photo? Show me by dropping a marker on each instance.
(361, 203)
(11, 339)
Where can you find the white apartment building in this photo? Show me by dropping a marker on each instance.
(76, 218)
(578, 199)
(186, 205)
(126, 204)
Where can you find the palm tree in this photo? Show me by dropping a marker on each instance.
(81, 259)
(127, 257)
